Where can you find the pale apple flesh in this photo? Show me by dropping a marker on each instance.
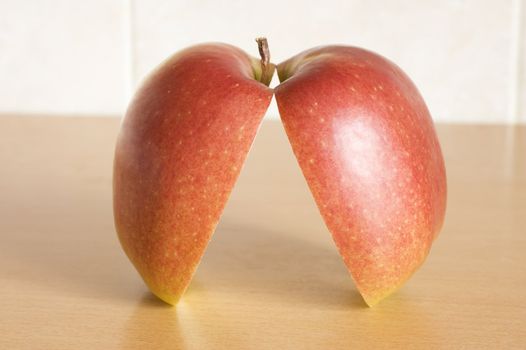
(182, 145)
(367, 146)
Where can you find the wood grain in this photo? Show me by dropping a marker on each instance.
(271, 278)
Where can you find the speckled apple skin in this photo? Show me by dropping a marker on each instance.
(181, 147)
(366, 144)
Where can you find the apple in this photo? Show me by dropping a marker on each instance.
(360, 131)
(367, 147)
(180, 149)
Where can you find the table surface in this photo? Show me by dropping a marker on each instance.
(271, 277)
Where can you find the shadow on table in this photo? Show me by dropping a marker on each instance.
(76, 254)
(276, 266)
(272, 265)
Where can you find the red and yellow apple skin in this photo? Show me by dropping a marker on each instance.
(367, 146)
(180, 150)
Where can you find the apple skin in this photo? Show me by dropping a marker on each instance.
(367, 147)
(181, 147)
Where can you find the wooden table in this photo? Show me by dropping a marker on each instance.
(271, 278)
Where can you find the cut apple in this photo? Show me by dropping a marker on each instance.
(358, 126)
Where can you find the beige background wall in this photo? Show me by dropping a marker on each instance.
(77, 57)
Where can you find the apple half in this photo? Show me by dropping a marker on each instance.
(180, 150)
(368, 149)
(360, 130)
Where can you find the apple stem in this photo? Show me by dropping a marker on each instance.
(267, 68)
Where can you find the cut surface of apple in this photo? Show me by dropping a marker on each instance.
(367, 147)
(181, 147)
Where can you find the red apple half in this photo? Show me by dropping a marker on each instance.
(367, 146)
(180, 150)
